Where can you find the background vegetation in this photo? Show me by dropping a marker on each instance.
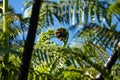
(91, 51)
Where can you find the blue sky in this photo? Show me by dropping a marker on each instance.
(17, 5)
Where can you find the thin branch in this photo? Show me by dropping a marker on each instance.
(108, 65)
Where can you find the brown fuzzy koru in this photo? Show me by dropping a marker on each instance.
(61, 34)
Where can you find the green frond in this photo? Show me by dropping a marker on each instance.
(114, 8)
(107, 37)
(58, 59)
(4, 50)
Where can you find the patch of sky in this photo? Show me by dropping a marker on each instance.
(118, 27)
(109, 51)
(17, 5)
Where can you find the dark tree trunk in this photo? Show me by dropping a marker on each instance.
(24, 68)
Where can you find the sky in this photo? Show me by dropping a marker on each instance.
(17, 5)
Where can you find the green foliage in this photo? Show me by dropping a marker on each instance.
(46, 13)
(83, 59)
(10, 54)
(115, 8)
(107, 37)
(55, 60)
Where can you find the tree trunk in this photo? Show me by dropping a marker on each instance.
(5, 72)
(27, 53)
